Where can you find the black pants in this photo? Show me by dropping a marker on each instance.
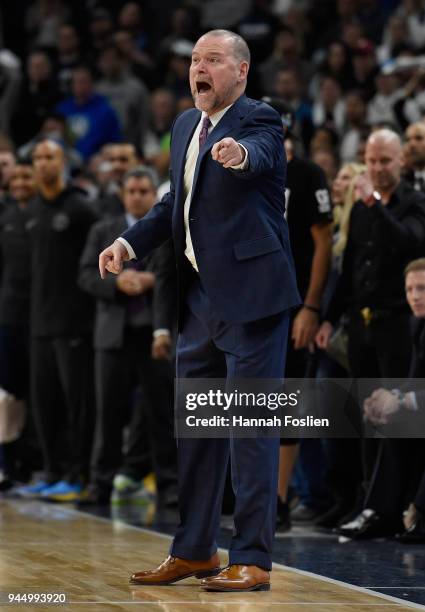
(379, 350)
(398, 470)
(420, 495)
(63, 404)
(149, 414)
(18, 457)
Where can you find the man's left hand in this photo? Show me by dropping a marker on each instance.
(228, 152)
(380, 406)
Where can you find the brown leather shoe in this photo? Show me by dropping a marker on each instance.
(238, 578)
(174, 569)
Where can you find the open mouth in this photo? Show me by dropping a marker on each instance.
(202, 87)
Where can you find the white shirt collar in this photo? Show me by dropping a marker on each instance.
(215, 118)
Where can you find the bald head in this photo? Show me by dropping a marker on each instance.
(239, 47)
(385, 137)
(383, 158)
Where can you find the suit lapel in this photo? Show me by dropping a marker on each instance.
(182, 151)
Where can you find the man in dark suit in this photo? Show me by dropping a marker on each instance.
(133, 318)
(225, 212)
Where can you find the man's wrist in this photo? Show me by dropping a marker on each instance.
(312, 308)
(406, 401)
(128, 247)
(244, 163)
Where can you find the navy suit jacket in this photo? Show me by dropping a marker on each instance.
(239, 233)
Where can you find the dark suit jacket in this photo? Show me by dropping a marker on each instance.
(237, 225)
(417, 364)
(111, 304)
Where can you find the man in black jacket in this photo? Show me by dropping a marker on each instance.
(387, 231)
(133, 322)
(61, 325)
(401, 462)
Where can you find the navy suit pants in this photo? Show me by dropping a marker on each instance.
(210, 348)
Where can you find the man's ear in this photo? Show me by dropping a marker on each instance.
(243, 71)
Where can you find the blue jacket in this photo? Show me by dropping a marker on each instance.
(239, 233)
(92, 124)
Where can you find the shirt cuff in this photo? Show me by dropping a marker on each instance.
(161, 332)
(129, 248)
(411, 402)
(243, 165)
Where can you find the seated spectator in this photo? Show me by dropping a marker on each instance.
(324, 139)
(355, 120)
(134, 317)
(288, 88)
(412, 12)
(39, 97)
(329, 106)
(101, 30)
(285, 54)
(410, 108)
(10, 84)
(91, 120)
(155, 144)
(394, 39)
(381, 107)
(132, 20)
(126, 94)
(177, 68)
(42, 21)
(135, 61)
(337, 64)
(327, 160)
(259, 27)
(69, 56)
(414, 156)
(7, 166)
(121, 158)
(53, 127)
(364, 67)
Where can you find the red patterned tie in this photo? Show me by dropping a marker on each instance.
(203, 134)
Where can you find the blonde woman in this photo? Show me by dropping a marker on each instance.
(342, 465)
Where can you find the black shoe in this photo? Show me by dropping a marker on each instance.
(364, 526)
(304, 514)
(6, 484)
(414, 535)
(331, 518)
(95, 496)
(283, 517)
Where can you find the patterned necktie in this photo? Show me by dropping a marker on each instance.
(203, 134)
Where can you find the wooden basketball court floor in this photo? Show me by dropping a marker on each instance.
(56, 549)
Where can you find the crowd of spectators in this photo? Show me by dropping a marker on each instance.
(88, 94)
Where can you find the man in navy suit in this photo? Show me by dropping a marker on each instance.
(225, 212)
